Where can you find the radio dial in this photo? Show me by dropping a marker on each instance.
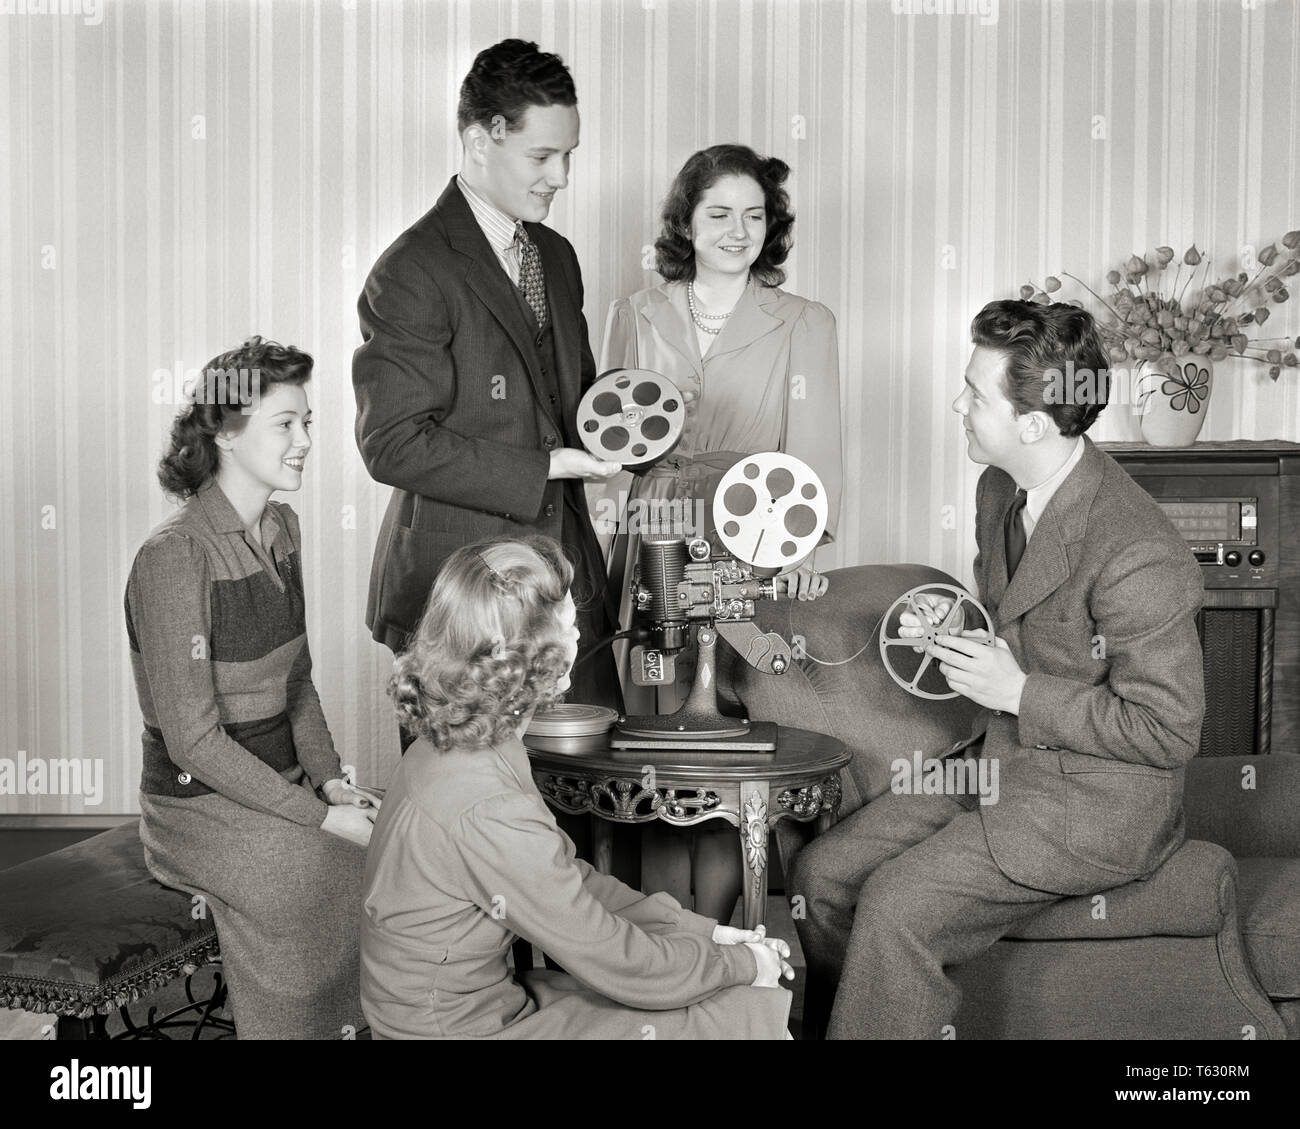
(1232, 558)
(1256, 557)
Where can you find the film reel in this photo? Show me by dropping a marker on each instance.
(570, 727)
(891, 643)
(770, 510)
(631, 416)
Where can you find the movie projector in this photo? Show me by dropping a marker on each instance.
(769, 512)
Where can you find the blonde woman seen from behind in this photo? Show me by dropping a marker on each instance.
(466, 857)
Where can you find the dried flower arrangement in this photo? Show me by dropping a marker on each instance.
(1148, 322)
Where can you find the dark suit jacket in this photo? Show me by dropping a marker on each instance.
(1101, 616)
(454, 410)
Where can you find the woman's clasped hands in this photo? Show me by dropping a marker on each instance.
(771, 953)
(351, 813)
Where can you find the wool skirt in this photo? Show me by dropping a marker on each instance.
(286, 903)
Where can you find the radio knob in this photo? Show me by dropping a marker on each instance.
(1232, 558)
(1256, 557)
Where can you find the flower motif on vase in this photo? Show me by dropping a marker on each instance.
(1187, 386)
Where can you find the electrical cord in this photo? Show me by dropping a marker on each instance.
(611, 639)
(789, 624)
(596, 648)
(789, 627)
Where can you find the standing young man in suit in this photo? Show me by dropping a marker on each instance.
(1092, 697)
(475, 356)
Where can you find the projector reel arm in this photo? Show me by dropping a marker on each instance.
(765, 651)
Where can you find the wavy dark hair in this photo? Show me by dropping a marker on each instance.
(506, 79)
(488, 647)
(1041, 342)
(220, 400)
(675, 250)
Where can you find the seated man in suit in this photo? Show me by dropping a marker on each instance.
(1092, 696)
(474, 358)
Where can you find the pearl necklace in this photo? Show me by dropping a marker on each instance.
(699, 317)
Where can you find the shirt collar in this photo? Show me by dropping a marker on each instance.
(223, 517)
(496, 225)
(1037, 497)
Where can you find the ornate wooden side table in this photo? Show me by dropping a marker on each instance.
(752, 792)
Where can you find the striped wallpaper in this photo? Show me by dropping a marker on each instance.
(176, 175)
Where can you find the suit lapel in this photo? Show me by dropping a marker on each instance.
(491, 284)
(1046, 564)
(751, 319)
(668, 313)
(1043, 569)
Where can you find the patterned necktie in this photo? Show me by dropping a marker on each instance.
(531, 279)
(1014, 534)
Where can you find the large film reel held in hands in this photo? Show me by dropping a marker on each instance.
(896, 650)
(770, 511)
(631, 416)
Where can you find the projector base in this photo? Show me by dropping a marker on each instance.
(698, 725)
(756, 737)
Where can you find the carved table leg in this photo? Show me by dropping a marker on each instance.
(753, 849)
(830, 810)
(602, 845)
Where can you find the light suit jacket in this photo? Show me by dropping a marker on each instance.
(770, 382)
(1101, 616)
(465, 858)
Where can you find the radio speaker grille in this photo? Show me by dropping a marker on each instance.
(1230, 645)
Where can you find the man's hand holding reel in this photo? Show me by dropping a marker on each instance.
(974, 662)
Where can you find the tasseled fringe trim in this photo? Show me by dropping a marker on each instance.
(59, 997)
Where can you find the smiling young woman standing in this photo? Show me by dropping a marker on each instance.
(242, 798)
(759, 368)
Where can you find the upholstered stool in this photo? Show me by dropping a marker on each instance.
(87, 930)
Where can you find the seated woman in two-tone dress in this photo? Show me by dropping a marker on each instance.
(466, 857)
(242, 796)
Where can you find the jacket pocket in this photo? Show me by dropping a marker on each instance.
(1118, 816)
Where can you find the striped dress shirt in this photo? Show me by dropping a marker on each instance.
(498, 227)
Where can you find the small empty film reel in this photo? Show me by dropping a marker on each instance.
(770, 510)
(919, 674)
(631, 416)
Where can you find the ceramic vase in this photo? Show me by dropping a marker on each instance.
(1174, 398)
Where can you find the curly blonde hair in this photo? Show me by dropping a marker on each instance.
(488, 647)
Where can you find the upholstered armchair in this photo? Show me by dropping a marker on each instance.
(1207, 947)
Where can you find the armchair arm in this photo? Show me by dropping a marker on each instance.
(856, 702)
(1191, 895)
(1262, 821)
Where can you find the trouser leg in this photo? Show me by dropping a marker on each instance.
(826, 876)
(940, 903)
